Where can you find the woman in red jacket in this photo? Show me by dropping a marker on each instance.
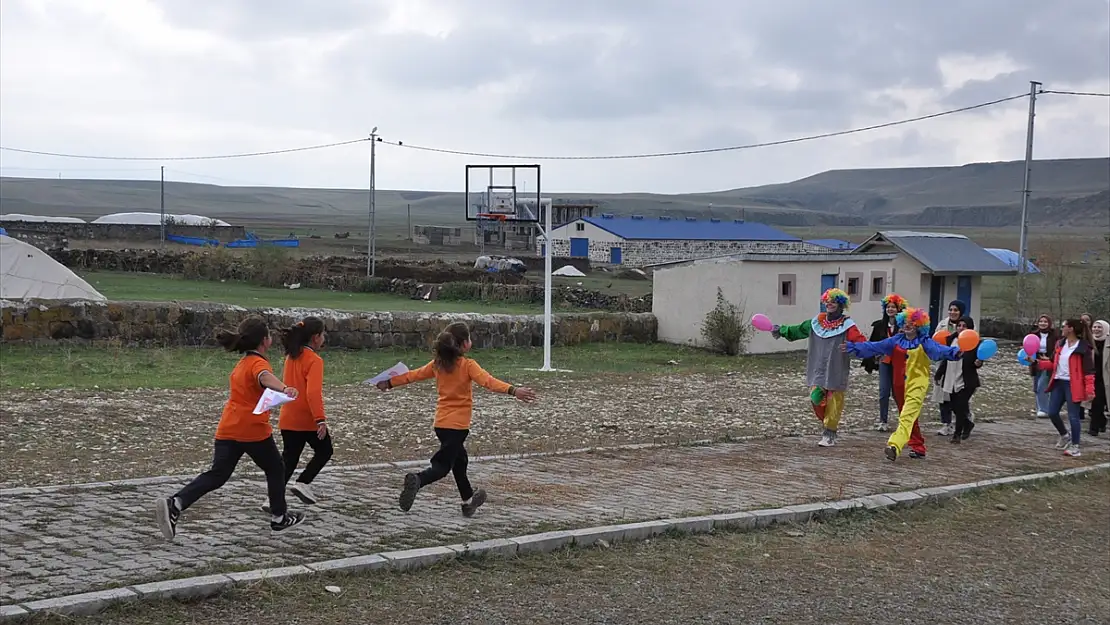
(1073, 381)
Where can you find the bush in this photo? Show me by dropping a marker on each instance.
(725, 328)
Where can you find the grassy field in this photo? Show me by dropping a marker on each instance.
(936, 564)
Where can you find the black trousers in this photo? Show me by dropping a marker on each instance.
(294, 442)
(450, 458)
(1098, 409)
(225, 457)
(960, 404)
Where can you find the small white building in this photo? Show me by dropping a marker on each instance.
(640, 241)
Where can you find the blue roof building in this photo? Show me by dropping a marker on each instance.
(833, 244)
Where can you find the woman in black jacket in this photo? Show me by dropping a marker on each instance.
(960, 383)
(880, 331)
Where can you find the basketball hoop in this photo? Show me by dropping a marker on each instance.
(493, 216)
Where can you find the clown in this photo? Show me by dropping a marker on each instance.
(826, 363)
(892, 369)
(920, 350)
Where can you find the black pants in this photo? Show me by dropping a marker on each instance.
(225, 457)
(960, 405)
(450, 458)
(294, 442)
(1098, 413)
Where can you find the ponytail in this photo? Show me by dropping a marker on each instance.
(449, 346)
(250, 335)
(300, 334)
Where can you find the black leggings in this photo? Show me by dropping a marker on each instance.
(294, 442)
(450, 458)
(225, 457)
(960, 404)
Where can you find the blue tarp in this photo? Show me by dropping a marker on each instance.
(1012, 259)
(177, 238)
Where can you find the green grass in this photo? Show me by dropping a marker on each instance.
(144, 287)
(603, 283)
(194, 367)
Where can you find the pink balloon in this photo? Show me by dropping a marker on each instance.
(1031, 344)
(761, 322)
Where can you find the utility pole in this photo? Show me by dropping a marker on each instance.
(370, 268)
(408, 209)
(162, 202)
(1023, 242)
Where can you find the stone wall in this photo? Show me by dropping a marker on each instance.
(119, 232)
(654, 251)
(190, 324)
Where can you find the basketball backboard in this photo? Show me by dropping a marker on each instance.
(503, 193)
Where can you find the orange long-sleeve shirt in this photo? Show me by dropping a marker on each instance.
(306, 374)
(238, 421)
(456, 390)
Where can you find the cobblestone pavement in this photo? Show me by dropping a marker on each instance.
(80, 539)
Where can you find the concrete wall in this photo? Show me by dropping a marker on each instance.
(119, 232)
(683, 294)
(170, 324)
(655, 251)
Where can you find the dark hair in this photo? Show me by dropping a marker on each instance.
(449, 346)
(300, 334)
(962, 307)
(968, 322)
(250, 334)
(1082, 330)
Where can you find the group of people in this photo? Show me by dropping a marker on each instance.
(1070, 371)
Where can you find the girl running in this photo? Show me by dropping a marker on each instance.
(239, 432)
(1073, 381)
(883, 329)
(455, 375)
(1049, 336)
(959, 382)
(302, 421)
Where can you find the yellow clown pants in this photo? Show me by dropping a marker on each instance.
(828, 406)
(917, 385)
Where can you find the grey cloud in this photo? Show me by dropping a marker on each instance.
(264, 19)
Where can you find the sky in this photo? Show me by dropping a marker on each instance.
(165, 78)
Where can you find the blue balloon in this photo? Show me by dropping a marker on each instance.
(1023, 358)
(987, 349)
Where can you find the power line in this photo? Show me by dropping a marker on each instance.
(748, 146)
(185, 158)
(1080, 93)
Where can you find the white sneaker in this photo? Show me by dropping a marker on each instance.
(881, 426)
(303, 492)
(1064, 441)
(828, 439)
(946, 430)
(1042, 414)
(1073, 451)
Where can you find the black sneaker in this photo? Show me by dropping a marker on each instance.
(408, 493)
(166, 514)
(955, 440)
(891, 453)
(917, 454)
(967, 430)
(289, 520)
(476, 501)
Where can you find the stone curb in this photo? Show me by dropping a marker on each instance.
(398, 464)
(411, 559)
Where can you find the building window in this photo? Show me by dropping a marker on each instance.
(854, 284)
(579, 227)
(878, 286)
(787, 289)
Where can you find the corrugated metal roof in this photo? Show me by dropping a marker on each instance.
(688, 229)
(776, 257)
(833, 244)
(1012, 259)
(942, 253)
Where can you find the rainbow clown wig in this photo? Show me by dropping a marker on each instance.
(896, 299)
(836, 296)
(916, 317)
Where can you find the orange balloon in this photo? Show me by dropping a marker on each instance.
(942, 336)
(968, 340)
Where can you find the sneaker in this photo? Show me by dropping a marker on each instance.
(289, 520)
(968, 429)
(1073, 451)
(476, 501)
(917, 453)
(891, 453)
(828, 439)
(408, 492)
(167, 514)
(303, 492)
(955, 440)
(265, 507)
(1042, 414)
(1063, 441)
(946, 430)
(882, 426)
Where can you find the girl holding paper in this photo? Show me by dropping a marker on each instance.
(455, 375)
(239, 432)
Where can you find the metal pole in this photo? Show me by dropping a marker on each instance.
(408, 209)
(162, 202)
(547, 244)
(1023, 240)
(370, 264)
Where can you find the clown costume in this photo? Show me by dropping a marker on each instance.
(826, 363)
(892, 369)
(920, 350)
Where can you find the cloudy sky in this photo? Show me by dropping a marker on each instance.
(541, 77)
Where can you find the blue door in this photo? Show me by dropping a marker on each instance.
(963, 291)
(579, 248)
(615, 255)
(828, 281)
(936, 299)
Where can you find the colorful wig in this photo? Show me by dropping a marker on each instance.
(917, 317)
(836, 296)
(899, 302)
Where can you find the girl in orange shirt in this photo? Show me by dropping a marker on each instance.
(455, 375)
(302, 421)
(240, 432)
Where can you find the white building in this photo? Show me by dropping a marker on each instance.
(927, 269)
(639, 241)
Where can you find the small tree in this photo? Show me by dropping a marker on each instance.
(725, 328)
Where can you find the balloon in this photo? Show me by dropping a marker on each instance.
(1024, 359)
(1031, 344)
(968, 340)
(761, 322)
(942, 336)
(987, 349)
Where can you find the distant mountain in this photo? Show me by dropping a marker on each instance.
(1070, 192)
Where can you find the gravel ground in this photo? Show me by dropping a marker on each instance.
(926, 565)
(71, 436)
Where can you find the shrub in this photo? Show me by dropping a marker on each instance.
(725, 328)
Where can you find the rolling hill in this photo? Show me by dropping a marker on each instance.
(1069, 192)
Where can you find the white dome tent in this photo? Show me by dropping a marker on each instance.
(26, 272)
(152, 219)
(40, 219)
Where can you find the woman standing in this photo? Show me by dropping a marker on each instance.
(1048, 336)
(956, 311)
(880, 330)
(959, 382)
(1100, 333)
(1073, 381)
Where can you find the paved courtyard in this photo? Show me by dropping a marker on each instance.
(77, 539)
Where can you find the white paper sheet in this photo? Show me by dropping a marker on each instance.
(391, 372)
(271, 399)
